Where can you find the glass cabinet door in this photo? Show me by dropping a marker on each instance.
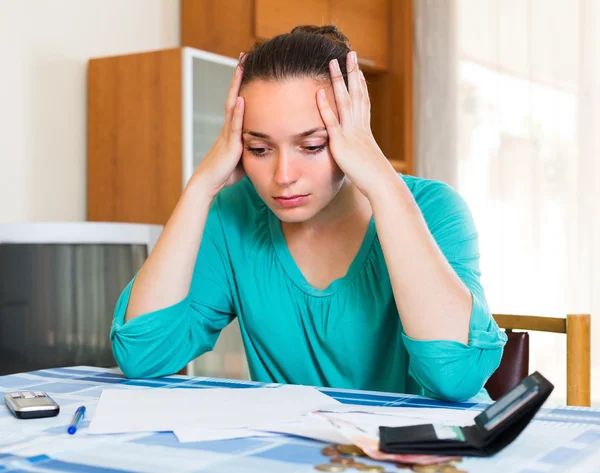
(209, 83)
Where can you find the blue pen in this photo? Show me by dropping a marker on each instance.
(79, 413)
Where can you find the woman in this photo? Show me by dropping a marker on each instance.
(341, 272)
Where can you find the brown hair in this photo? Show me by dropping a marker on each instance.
(304, 52)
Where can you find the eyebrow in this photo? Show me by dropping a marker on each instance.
(299, 135)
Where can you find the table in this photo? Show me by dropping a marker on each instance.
(571, 436)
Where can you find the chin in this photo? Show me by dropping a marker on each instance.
(297, 215)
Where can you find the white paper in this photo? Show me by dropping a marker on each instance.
(308, 427)
(432, 415)
(156, 410)
(369, 423)
(191, 434)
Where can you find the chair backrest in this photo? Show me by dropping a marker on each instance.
(514, 365)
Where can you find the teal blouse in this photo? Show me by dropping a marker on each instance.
(348, 335)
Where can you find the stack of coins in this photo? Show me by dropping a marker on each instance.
(344, 457)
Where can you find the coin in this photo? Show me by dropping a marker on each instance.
(425, 468)
(330, 451)
(351, 450)
(343, 461)
(357, 465)
(330, 467)
(448, 469)
(371, 468)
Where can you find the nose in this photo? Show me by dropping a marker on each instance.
(286, 171)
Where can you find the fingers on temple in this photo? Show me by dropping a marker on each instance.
(327, 114)
(234, 90)
(366, 101)
(237, 119)
(356, 92)
(342, 98)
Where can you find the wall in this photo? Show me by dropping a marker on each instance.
(44, 46)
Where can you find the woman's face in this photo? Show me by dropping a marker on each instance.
(286, 153)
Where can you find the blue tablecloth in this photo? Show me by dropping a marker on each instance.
(42, 445)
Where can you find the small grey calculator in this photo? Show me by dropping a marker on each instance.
(31, 404)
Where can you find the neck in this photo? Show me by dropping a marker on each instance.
(347, 207)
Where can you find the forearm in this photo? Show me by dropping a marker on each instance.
(434, 304)
(166, 276)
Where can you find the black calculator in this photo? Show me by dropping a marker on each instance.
(31, 404)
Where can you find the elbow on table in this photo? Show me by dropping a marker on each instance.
(457, 392)
(133, 370)
(129, 364)
(461, 379)
(138, 364)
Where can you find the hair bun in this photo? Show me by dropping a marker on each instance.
(331, 32)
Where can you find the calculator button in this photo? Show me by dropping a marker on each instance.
(39, 394)
(28, 395)
(15, 395)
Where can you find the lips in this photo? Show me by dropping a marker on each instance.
(292, 200)
(291, 197)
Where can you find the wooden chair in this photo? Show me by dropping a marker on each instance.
(514, 365)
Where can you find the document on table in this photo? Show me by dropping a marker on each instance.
(155, 410)
(306, 426)
(434, 415)
(312, 427)
(368, 417)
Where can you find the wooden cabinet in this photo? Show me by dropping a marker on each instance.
(151, 118)
(365, 22)
(219, 26)
(230, 26)
(274, 17)
(133, 141)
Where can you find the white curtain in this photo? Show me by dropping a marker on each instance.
(508, 112)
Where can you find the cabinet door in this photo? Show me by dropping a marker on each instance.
(134, 138)
(223, 27)
(365, 22)
(273, 17)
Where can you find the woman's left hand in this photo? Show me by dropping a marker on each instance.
(350, 138)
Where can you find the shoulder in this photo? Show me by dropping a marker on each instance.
(445, 211)
(428, 192)
(436, 199)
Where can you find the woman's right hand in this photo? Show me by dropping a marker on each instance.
(222, 165)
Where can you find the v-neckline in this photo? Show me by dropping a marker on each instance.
(294, 272)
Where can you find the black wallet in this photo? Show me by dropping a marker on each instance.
(494, 428)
